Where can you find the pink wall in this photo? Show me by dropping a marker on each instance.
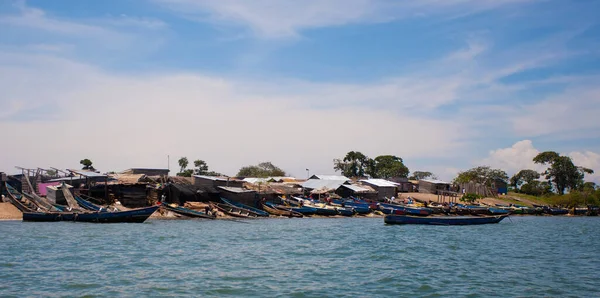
(42, 187)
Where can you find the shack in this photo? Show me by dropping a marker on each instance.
(146, 171)
(404, 185)
(238, 194)
(213, 181)
(384, 188)
(433, 186)
(329, 177)
(322, 186)
(356, 191)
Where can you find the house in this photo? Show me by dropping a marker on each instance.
(147, 172)
(501, 186)
(404, 185)
(433, 186)
(321, 186)
(384, 188)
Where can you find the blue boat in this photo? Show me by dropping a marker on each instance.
(497, 211)
(443, 220)
(348, 211)
(138, 215)
(187, 212)
(398, 209)
(359, 208)
(251, 209)
(87, 205)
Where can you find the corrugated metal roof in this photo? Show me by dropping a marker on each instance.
(434, 181)
(380, 182)
(214, 178)
(323, 184)
(330, 177)
(357, 188)
(256, 180)
(88, 174)
(235, 189)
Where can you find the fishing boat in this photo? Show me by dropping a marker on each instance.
(280, 210)
(87, 205)
(251, 209)
(443, 220)
(399, 209)
(556, 211)
(187, 212)
(137, 215)
(233, 211)
(497, 211)
(359, 208)
(17, 199)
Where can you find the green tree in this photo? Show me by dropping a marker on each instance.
(356, 164)
(523, 176)
(183, 163)
(87, 164)
(262, 170)
(562, 173)
(201, 167)
(536, 188)
(388, 166)
(51, 173)
(482, 174)
(419, 175)
(186, 173)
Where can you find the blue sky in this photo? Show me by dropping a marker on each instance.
(446, 85)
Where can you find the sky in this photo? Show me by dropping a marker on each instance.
(445, 85)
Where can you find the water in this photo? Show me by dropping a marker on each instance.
(342, 257)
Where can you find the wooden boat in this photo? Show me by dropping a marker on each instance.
(251, 209)
(280, 210)
(17, 199)
(87, 205)
(399, 209)
(443, 220)
(359, 208)
(346, 211)
(497, 211)
(138, 215)
(233, 211)
(187, 212)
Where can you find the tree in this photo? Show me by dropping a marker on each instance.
(87, 164)
(183, 163)
(186, 173)
(562, 173)
(51, 173)
(525, 176)
(356, 164)
(387, 166)
(536, 188)
(262, 170)
(419, 175)
(201, 167)
(482, 174)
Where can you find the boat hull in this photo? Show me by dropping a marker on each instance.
(443, 220)
(133, 216)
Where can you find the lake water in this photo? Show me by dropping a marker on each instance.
(341, 257)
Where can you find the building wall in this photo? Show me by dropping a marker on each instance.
(427, 187)
(204, 182)
(383, 192)
(148, 172)
(247, 198)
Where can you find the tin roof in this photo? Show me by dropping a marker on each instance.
(87, 174)
(214, 178)
(357, 188)
(434, 181)
(380, 182)
(323, 184)
(234, 189)
(329, 177)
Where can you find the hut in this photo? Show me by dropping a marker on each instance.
(384, 188)
(404, 185)
(501, 186)
(318, 186)
(329, 177)
(433, 186)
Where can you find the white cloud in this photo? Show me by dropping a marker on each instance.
(285, 18)
(590, 160)
(120, 121)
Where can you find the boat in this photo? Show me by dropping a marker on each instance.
(497, 211)
(346, 211)
(137, 215)
(280, 210)
(556, 211)
(443, 220)
(17, 199)
(251, 209)
(233, 211)
(187, 212)
(87, 205)
(399, 209)
(359, 208)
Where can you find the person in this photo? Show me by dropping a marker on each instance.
(392, 199)
(206, 210)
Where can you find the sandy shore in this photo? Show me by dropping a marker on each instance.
(10, 212)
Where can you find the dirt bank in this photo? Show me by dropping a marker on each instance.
(8, 211)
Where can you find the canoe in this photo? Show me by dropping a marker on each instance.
(87, 205)
(359, 208)
(233, 211)
(556, 211)
(497, 211)
(443, 220)
(18, 201)
(138, 215)
(187, 212)
(281, 210)
(346, 211)
(398, 209)
(251, 209)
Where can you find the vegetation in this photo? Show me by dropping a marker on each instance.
(356, 164)
(262, 170)
(470, 197)
(419, 175)
(482, 174)
(52, 173)
(201, 168)
(562, 173)
(87, 164)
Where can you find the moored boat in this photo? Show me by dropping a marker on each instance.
(233, 211)
(248, 208)
(443, 220)
(137, 215)
(280, 210)
(187, 212)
